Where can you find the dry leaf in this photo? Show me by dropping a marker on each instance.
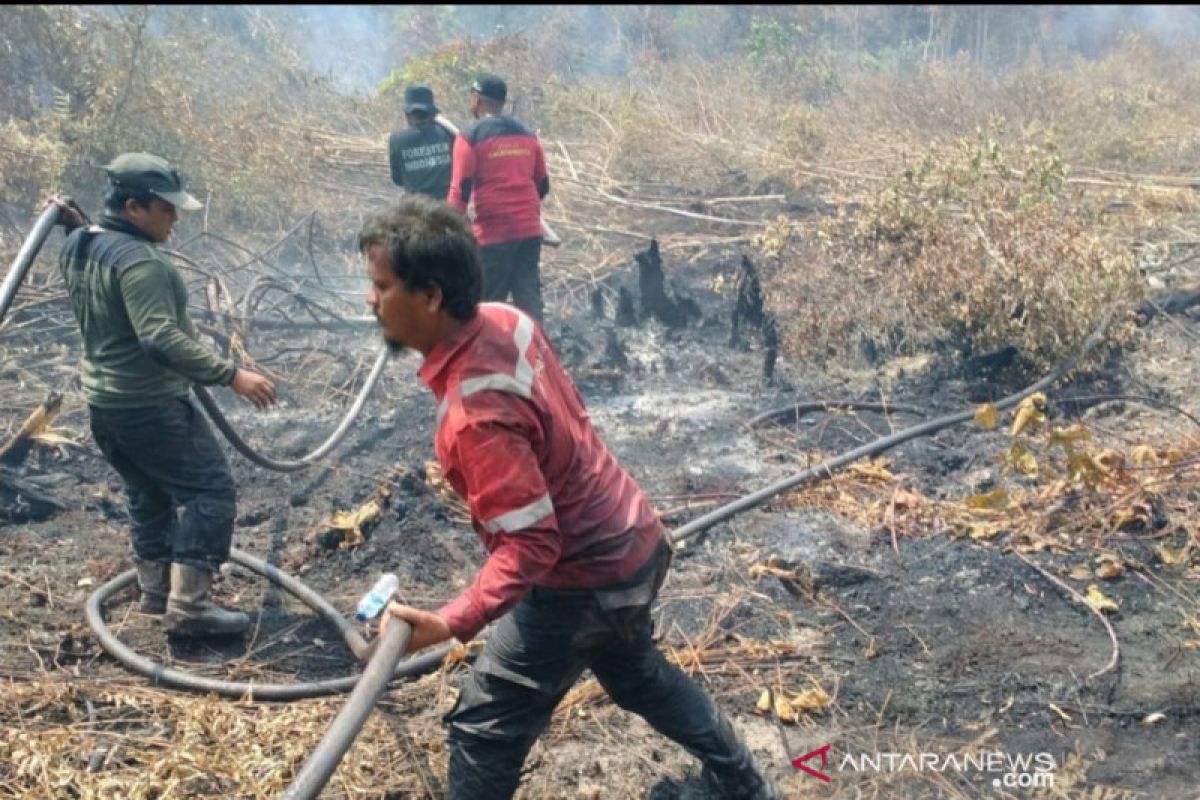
(1070, 436)
(1143, 455)
(1172, 557)
(1153, 719)
(876, 470)
(1022, 459)
(981, 531)
(1080, 572)
(789, 705)
(1084, 467)
(996, 498)
(1133, 517)
(1031, 411)
(1110, 567)
(1096, 599)
(986, 415)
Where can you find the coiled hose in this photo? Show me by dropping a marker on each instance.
(161, 675)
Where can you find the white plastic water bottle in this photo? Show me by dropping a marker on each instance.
(374, 601)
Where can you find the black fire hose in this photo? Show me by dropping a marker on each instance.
(24, 260)
(161, 675)
(346, 725)
(214, 413)
(20, 268)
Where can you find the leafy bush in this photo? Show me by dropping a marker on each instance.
(964, 246)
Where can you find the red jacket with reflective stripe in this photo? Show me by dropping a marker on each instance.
(503, 166)
(547, 498)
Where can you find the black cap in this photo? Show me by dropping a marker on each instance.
(492, 86)
(419, 98)
(147, 173)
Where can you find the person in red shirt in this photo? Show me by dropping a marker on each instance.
(576, 555)
(499, 164)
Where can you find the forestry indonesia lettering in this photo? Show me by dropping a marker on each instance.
(1019, 771)
(427, 155)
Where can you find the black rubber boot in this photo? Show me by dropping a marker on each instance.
(189, 611)
(154, 583)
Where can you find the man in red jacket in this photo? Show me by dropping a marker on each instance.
(576, 555)
(499, 164)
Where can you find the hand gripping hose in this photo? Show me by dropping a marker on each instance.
(20, 268)
(214, 413)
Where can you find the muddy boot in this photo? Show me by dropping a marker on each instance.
(154, 582)
(737, 776)
(189, 611)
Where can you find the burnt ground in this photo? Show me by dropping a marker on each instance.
(948, 646)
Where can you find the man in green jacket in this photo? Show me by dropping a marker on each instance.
(140, 359)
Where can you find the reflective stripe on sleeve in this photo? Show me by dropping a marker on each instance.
(522, 517)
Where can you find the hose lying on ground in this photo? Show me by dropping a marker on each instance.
(162, 675)
(825, 469)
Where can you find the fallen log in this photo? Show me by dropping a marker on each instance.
(1172, 302)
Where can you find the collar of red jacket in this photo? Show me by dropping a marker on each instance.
(436, 368)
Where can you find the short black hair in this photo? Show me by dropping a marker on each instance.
(116, 196)
(429, 244)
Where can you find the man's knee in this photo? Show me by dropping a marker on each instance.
(206, 532)
(482, 768)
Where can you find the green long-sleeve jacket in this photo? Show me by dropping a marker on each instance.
(139, 344)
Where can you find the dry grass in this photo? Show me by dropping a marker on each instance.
(80, 738)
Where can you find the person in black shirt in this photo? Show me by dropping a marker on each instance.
(420, 156)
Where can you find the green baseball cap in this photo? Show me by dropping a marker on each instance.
(151, 174)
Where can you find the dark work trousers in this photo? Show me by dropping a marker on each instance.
(169, 460)
(514, 267)
(540, 649)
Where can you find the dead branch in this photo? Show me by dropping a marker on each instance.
(14, 451)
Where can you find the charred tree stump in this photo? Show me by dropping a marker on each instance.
(598, 303)
(673, 313)
(749, 312)
(749, 305)
(771, 349)
(626, 313)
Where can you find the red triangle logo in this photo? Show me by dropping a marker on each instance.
(799, 764)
